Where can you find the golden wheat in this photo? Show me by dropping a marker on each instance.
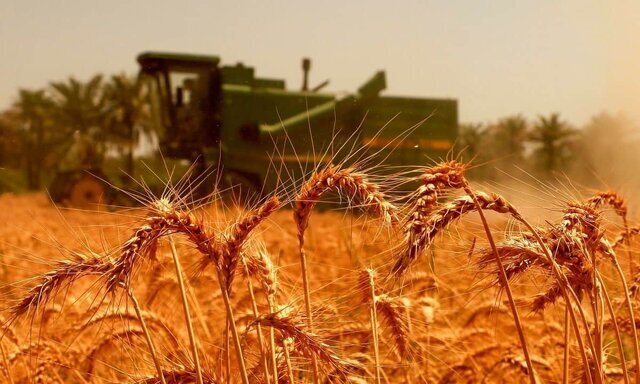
(438, 325)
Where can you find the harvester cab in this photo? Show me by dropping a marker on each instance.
(185, 93)
(227, 115)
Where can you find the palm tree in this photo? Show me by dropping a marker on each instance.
(509, 136)
(553, 139)
(128, 115)
(81, 107)
(40, 138)
(470, 139)
(8, 140)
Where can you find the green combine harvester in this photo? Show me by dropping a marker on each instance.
(224, 117)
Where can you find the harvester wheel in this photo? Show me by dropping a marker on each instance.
(82, 189)
(87, 192)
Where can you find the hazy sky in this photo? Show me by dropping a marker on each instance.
(496, 57)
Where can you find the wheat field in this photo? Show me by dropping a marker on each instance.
(338, 278)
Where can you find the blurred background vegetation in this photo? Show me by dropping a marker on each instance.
(598, 154)
(104, 122)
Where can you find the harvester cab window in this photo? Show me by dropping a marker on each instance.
(156, 96)
(183, 86)
(186, 95)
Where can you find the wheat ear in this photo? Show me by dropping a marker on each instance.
(442, 218)
(433, 181)
(229, 252)
(392, 310)
(233, 241)
(162, 220)
(618, 203)
(305, 341)
(565, 289)
(64, 274)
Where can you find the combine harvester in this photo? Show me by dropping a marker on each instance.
(226, 118)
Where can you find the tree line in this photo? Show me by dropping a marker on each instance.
(549, 146)
(76, 124)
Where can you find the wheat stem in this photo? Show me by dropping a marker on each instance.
(307, 303)
(597, 349)
(505, 283)
(627, 299)
(272, 339)
(234, 329)
(374, 325)
(567, 338)
(597, 335)
(287, 358)
(256, 314)
(600, 305)
(227, 349)
(185, 306)
(585, 323)
(199, 314)
(147, 335)
(616, 330)
(5, 363)
(562, 280)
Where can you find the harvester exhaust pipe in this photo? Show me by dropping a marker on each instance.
(306, 66)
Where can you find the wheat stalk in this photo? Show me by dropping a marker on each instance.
(609, 252)
(367, 288)
(187, 315)
(147, 335)
(616, 329)
(357, 187)
(254, 307)
(393, 312)
(433, 181)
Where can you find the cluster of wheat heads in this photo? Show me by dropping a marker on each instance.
(239, 319)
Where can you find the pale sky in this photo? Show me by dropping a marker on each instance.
(496, 57)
